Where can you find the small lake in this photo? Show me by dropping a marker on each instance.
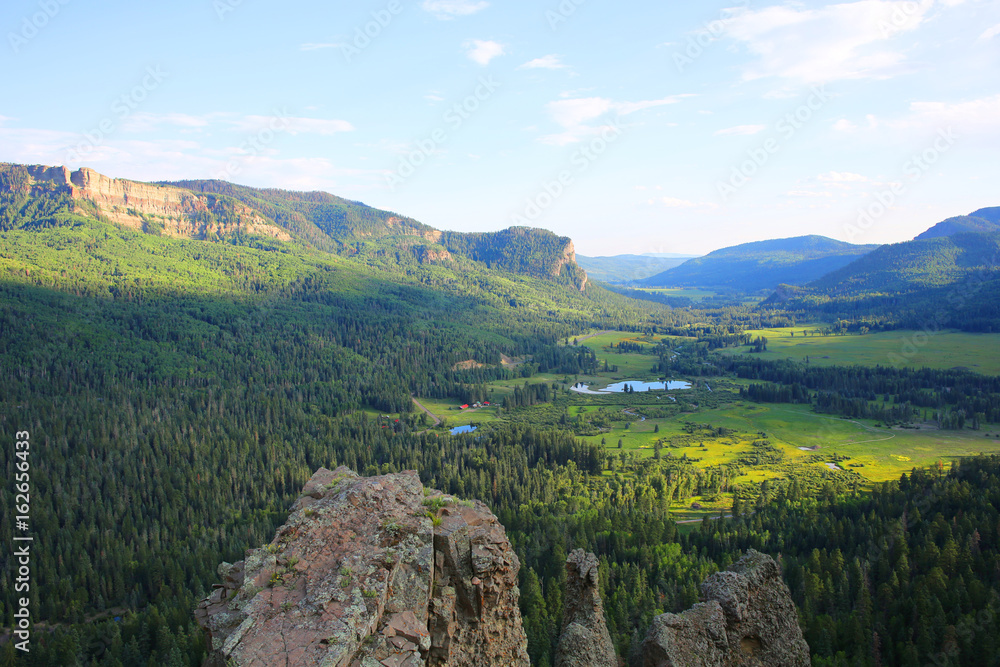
(458, 430)
(636, 385)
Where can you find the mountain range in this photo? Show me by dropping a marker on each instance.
(628, 268)
(816, 275)
(35, 197)
(761, 265)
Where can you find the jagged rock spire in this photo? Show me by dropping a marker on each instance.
(585, 641)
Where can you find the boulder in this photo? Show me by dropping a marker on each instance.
(748, 619)
(371, 572)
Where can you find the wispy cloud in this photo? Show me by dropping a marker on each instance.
(967, 117)
(675, 202)
(842, 177)
(741, 130)
(545, 62)
(449, 9)
(990, 34)
(309, 46)
(483, 51)
(839, 41)
(577, 116)
(145, 122)
(322, 126)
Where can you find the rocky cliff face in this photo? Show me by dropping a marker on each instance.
(372, 572)
(585, 640)
(748, 620)
(169, 210)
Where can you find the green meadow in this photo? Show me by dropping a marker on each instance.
(901, 349)
(630, 365)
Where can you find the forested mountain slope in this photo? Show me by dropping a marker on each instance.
(38, 196)
(936, 282)
(762, 265)
(983, 220)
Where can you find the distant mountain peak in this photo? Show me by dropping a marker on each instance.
(762, 265)
(983, 220)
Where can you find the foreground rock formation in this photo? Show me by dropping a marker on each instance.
(585, 641)
(748, 620)
(372, 572)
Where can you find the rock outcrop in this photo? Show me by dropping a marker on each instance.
(585, 641)
(747, 620)
(170, 210)
(372, 572)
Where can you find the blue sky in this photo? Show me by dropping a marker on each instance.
(629, 126)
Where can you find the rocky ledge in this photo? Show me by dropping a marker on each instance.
(747, 620)
(372, 572)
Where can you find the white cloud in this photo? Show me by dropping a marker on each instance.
(309, 46)
(449, 9)
(839, 41)
(672, 202)
(990, 34)
(675, 202)
(577, 115)
(483, 51)
(842, 177)
(844, 125)
(545, 62)
(432, 97)
(321, 126)
(741, 130)
(145, 122)
(966, 118)
(807, 193)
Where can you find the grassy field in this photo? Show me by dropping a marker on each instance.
(877, 454)
(446, 409)
(630, 366)
(901, 349)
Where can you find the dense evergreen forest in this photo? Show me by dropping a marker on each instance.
(180, 392)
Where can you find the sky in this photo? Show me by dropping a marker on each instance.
(631, 127)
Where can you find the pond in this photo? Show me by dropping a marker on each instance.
(636, 385)
(463, 429)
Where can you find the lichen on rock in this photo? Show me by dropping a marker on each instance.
(748, 619)
(360, 576)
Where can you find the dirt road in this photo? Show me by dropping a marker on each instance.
(420, 405)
